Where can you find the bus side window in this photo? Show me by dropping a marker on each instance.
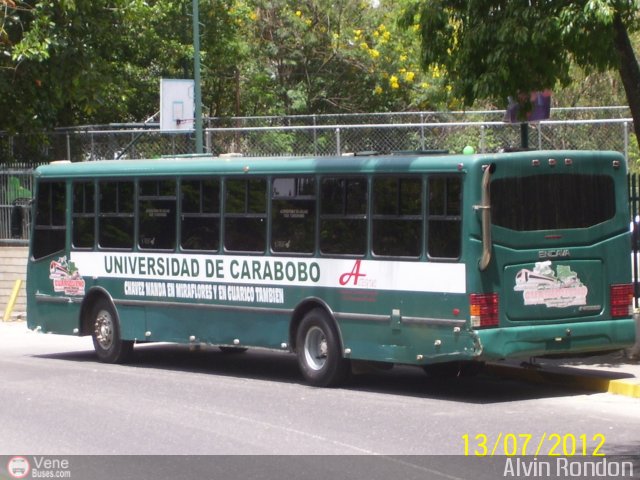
(50, 225)
(294, 215)
(343, 215)
(444, 220)
(245, 218)
(200, 220)
(83, 229)
(115, 221)
(397, 216)
(157, 215)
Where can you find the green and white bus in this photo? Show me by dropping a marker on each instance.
(415, 258)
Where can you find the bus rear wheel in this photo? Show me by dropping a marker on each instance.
(105, 331)
(319, 351)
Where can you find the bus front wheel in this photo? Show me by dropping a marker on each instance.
(319, 351)
(105, 331)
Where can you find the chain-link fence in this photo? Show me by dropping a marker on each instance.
(16, 187)
(301, 135)
(329, 135)
(611, 134)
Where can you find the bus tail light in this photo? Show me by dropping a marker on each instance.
(621, 300)
(483, 309)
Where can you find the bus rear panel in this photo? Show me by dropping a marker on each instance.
(559, 278)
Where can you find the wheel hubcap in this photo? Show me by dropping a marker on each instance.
(316, 348)
(103, 328)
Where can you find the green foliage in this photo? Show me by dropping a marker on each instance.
(322, 56)
(273, 142)
(494, 49)
(634, 155)
(75, 62)
(84, 62)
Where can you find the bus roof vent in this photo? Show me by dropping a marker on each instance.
(368, 153)
(420, 152)
(187, 156)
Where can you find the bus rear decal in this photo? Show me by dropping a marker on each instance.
(543, 286)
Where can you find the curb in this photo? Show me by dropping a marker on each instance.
(15, 317)
(629, 387)
(618, 383)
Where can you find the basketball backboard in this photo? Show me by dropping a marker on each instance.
(176, 104)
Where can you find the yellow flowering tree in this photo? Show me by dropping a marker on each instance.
(321, 56)
(389, 55)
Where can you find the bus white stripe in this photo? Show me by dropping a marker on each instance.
(284, 271)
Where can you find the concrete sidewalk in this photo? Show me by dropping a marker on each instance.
(615, 372)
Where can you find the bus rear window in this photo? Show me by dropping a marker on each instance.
(551, 202)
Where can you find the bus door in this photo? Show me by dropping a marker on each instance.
(54, 287)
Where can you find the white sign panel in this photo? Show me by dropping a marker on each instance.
(281, 271)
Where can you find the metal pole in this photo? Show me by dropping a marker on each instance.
(315, 136)
(524, 135)
(625, 133)
(197, 95)
(68, 147)
(539, 135)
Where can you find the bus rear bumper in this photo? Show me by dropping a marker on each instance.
(538, 340)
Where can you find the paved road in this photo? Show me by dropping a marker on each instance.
(57, 400)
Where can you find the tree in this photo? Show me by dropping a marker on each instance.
(74, 62)
(494, 49)
(320, 56)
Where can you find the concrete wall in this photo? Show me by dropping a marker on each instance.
(13, 266)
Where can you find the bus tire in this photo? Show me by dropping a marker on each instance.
(319, 351)
(105, 332)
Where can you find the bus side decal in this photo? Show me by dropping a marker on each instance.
(66, 277)
(278, 271)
